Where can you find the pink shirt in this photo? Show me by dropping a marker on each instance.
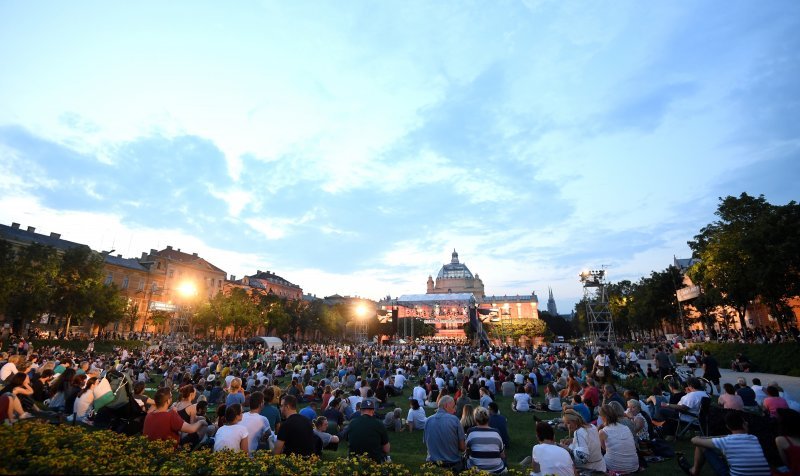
(731, 402)
(772, 404)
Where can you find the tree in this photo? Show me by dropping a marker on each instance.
(131, 315)
(30, 283)
(108, 306)
(160, 318)
(751, 250)
(76, 292)
(557, 325)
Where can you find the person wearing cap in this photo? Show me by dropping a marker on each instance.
(368, 435)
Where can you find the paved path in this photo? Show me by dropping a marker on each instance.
(789, 384)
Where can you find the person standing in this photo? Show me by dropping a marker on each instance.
(296, 433)
(663, 363)
(444, 436)
(711, 369)
(367, 435)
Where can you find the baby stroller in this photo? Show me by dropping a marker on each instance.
(115, 407)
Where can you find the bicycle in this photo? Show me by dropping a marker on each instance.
(683, 374)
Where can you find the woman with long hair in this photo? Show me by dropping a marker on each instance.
(84, 400)
(59, 388)
(71, 394)
(583, 443)
(467, 418)
(618, 442)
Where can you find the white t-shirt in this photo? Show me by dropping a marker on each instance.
(419, 395)
(399, 381)
(692, 400)
(8, 370)
(553, 459)
(229, 437)
(256, 425)
(522, 402)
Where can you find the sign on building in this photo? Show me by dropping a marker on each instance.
(687, 293)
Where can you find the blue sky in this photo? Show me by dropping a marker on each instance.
(349, 147)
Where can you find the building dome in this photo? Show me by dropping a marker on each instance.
(454, 270)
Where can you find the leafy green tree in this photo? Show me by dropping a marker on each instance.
(109, 305)
(750, 251)
(557, 326)
(131, 315)
(76, 291)
(30, 283)
(160, 318)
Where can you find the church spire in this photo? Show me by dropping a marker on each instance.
(551, 302)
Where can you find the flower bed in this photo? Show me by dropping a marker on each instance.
(35, 447)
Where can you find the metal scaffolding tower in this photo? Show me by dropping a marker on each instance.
(598, 314)
(179, 325)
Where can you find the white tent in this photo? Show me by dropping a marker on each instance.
(273, 343)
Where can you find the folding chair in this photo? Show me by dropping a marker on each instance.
(700, 421)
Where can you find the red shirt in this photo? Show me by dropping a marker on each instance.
(163, 426)
(591, 396)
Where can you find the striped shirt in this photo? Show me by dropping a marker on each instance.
(485, 446)
(744, 454)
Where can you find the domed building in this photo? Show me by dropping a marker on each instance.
(455, 277)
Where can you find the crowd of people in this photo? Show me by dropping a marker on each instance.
(305, 398)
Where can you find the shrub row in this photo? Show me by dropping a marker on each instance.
(769, 358)
(35, 447)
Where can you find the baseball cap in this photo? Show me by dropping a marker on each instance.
(367, 404)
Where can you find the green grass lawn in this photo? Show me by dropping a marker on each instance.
(409, 450)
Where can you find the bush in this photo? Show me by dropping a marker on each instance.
(35, 447)
(80, 345)
(769, 358)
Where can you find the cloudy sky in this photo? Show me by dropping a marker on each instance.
(350, 147)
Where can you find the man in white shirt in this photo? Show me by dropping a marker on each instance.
(687, 408)
(399, 381)
(419, 394)
(549, 458)
(257, 425)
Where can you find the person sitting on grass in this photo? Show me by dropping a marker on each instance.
(737, 454)
(485, 449)
(416, 417)
(522, 401)
(547, 457)
(232, 436)
(552, 398)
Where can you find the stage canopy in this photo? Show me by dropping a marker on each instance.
(449, 299)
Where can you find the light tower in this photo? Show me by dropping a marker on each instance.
(598, 314)
(180, 322)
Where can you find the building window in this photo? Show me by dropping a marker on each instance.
(125, 282)
(140, 286)
(171, 273)
(109, 279)
(154, 287)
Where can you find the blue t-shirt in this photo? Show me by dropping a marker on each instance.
(272, 414)
(309, 413)
(583, 410)
(233, 398)
(443, 432)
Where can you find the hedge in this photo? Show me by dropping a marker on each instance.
(101, 346)
(779, 359)
(36, 447)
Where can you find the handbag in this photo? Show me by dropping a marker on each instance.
(600, 373)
